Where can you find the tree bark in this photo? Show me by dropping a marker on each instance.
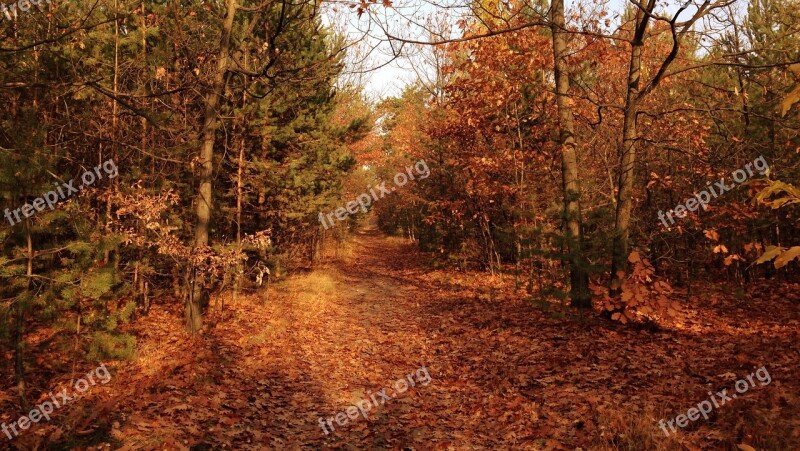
(204, 204)
(578, 268)
(628, 154)
(239, 193)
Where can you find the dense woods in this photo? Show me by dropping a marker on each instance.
(587, 171)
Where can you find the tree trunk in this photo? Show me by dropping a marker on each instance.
(239, 193)
(624, 193)
(578, 268)
(193, 313)
(621, 249)
(19, 323)
(114, 134)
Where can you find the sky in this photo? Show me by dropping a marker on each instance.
(380, 74)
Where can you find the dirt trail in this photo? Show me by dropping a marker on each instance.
(503, 372)
(320, 342)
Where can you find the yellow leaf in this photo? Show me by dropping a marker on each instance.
(790, 99)
(769, 254)
(786, 257)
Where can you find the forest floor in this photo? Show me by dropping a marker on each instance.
(505, 372)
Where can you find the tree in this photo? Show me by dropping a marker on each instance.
(578, 267)
(635, 93)
(204, 201)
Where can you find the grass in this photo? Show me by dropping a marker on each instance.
(633, 432)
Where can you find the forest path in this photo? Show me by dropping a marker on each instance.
(310, 347)
(503, 373)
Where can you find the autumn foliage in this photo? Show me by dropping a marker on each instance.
(530, 271)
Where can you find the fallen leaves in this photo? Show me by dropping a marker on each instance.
(504, 373)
